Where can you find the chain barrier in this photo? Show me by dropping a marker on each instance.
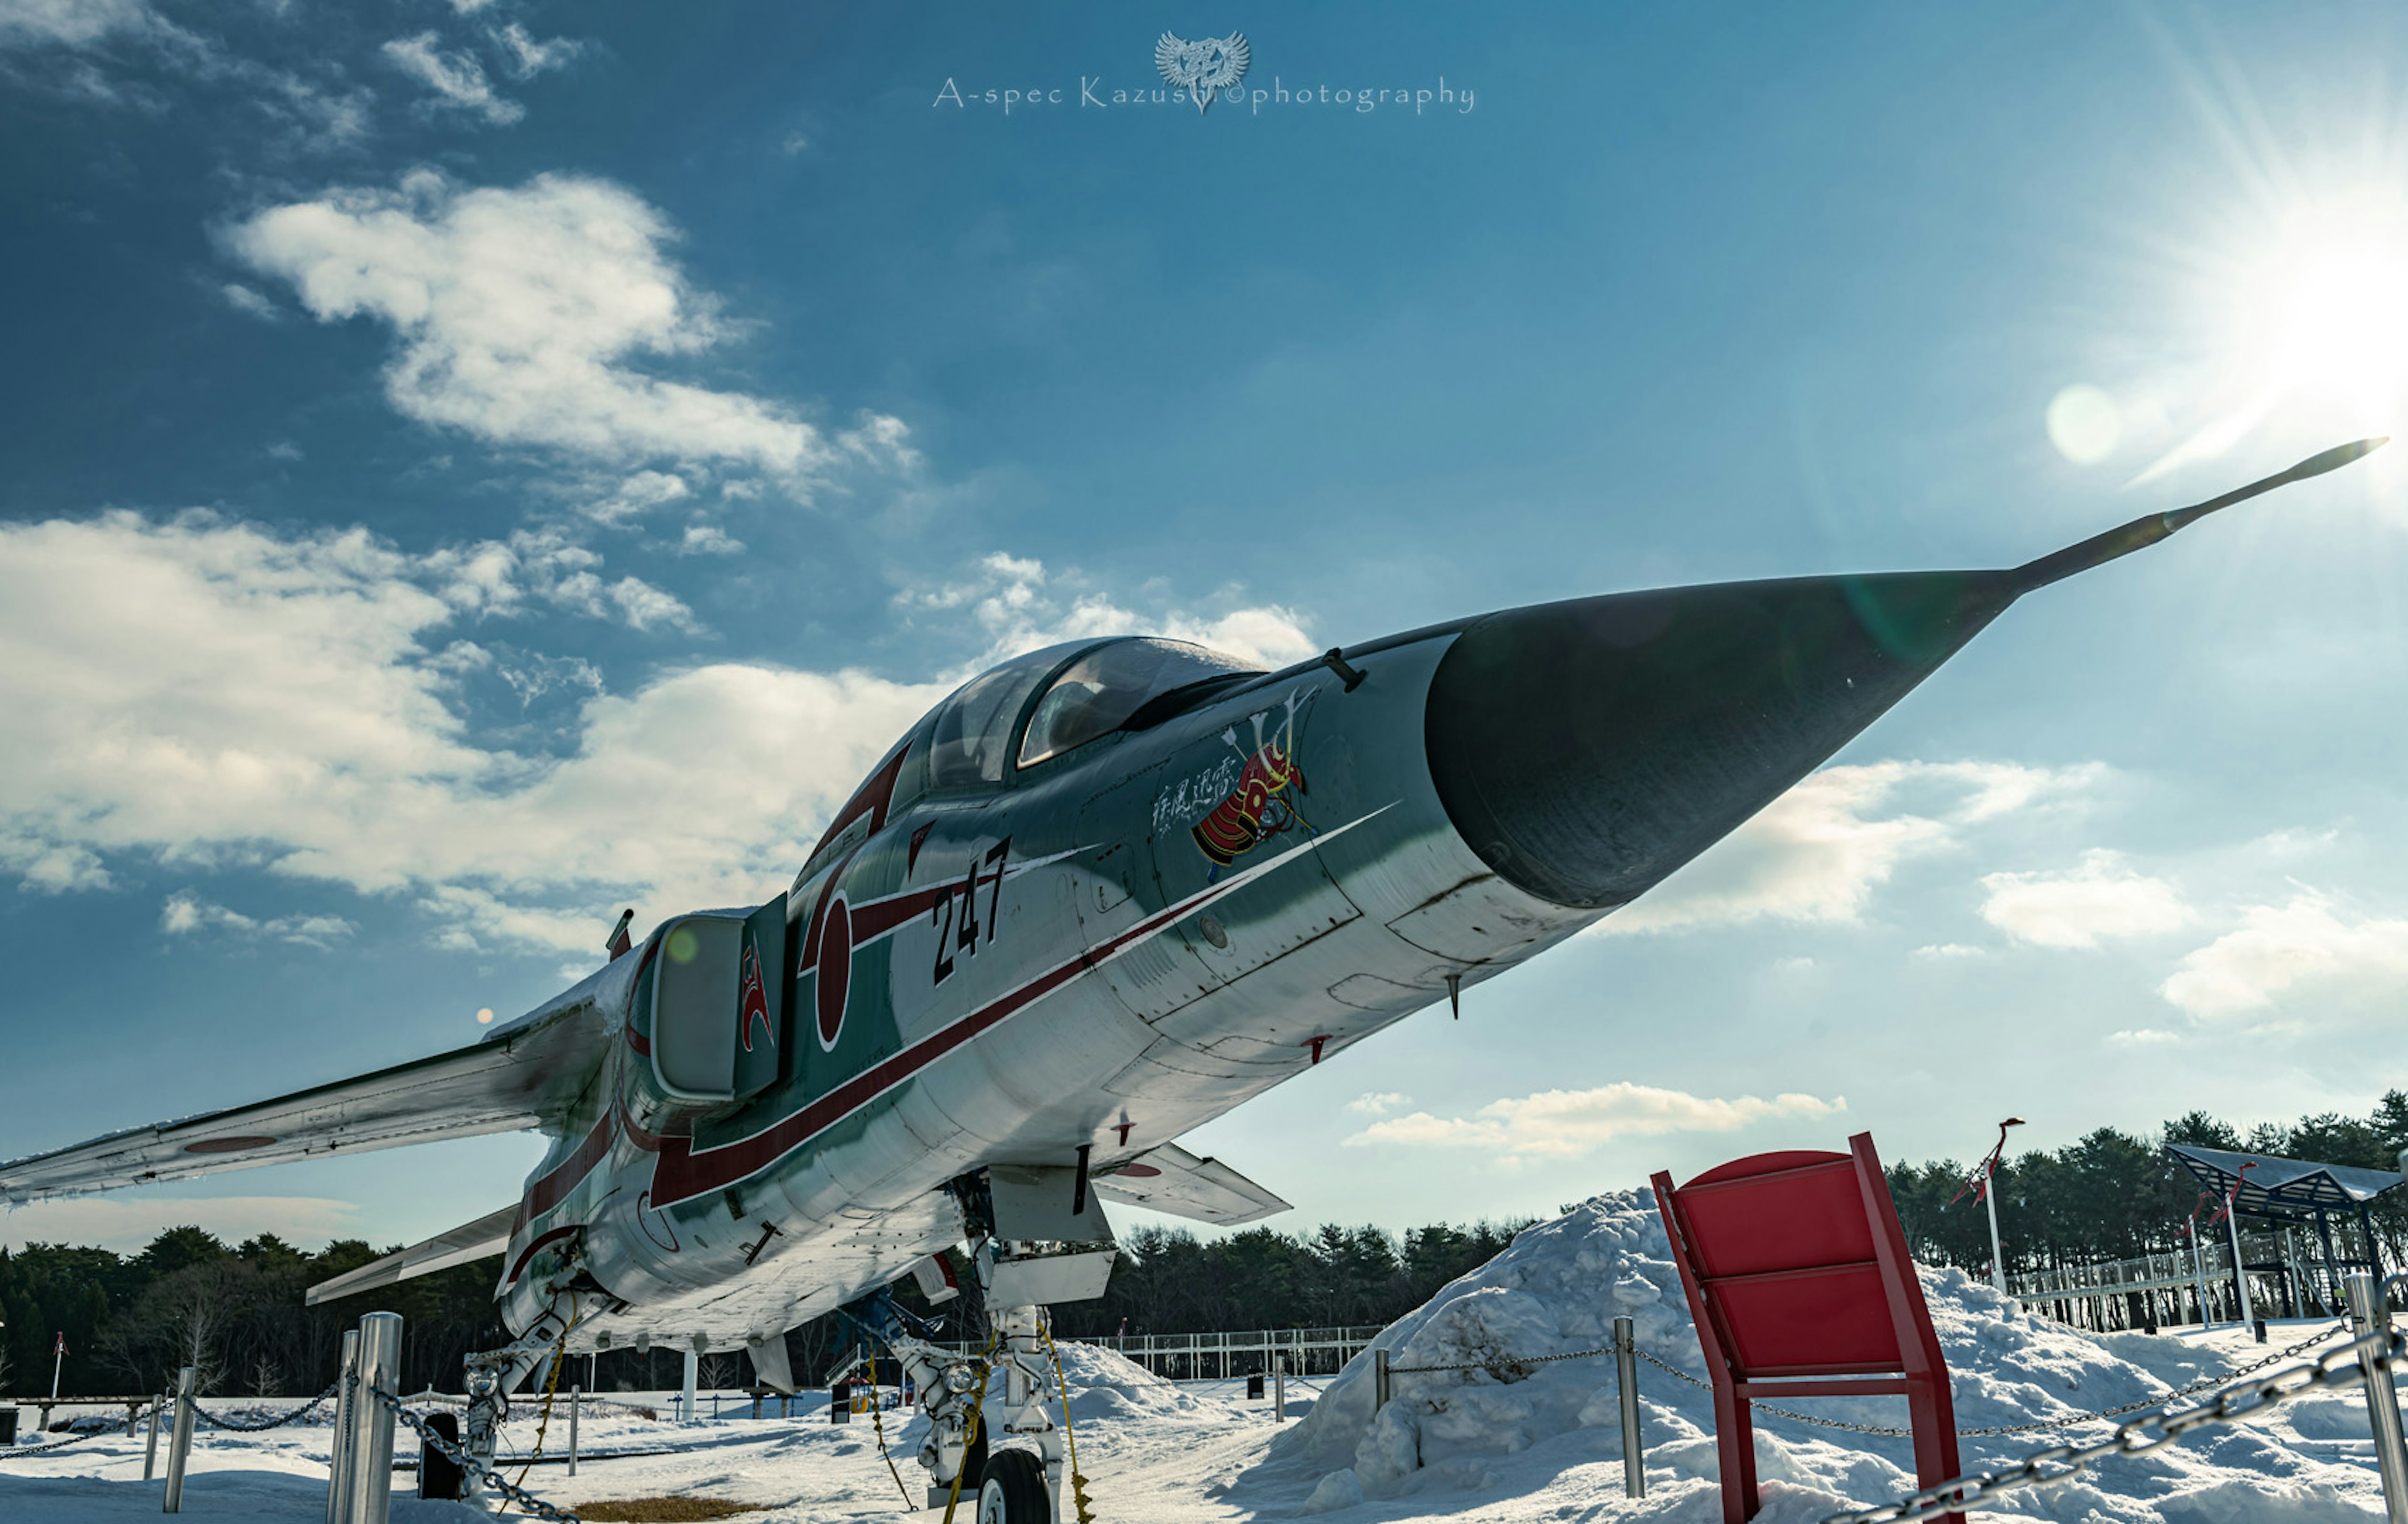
(526, 1501)
(1500, 1363)
(235, 1426)
(2336, 1370)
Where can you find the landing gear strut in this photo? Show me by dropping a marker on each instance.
(1009, 1485)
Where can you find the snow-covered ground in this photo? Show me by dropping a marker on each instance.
(1465, 1447)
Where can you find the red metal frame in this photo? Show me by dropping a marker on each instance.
(1798, 1275)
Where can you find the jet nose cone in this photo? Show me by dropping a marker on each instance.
(1585, 749)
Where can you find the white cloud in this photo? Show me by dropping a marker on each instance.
(457, 79)
(1567, 1123)
(127, 1223)
(1817, 854)
(2101, 898)
(2308, 944)
(528, 57)
(1379, 1103)
(638, 494)
(645, 606)
(207, 692)
(709, 540)
(521, 313)
(1950, 950)
(2141, 1037)
(186, 913)
(72, 23)
(1023, 607)
(243, 299)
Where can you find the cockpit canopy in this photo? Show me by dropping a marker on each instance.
(1081, 691)
(970, 736)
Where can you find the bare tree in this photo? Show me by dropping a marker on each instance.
(717, 1372)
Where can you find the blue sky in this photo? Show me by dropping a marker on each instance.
(466, 467)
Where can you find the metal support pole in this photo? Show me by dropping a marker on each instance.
(181, 1446)
(150, 1449)
(2369, 1313)
(2239, 1276)
(371, 1468)
(574, 1393)
(1279, 1388)
(1378, 1379)
(338, 1444)
(1998, 1255)
(1626, 1371)
(2198, 1268)
(693, 1372)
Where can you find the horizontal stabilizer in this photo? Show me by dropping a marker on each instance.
(488, 1234)
(2149, 529)
(517, 1077)
(1170, 1179)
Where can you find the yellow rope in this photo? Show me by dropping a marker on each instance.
(551, 1387)
(969, 1432)
(878, 1424)
(1069, 1440)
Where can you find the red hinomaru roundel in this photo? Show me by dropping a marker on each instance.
(835, 969)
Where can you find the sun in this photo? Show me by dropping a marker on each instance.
(2327, 318)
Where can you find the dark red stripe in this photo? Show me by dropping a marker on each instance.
(547, 1192)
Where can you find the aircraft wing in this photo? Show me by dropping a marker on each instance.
(1170, 1179)
(513, 1079)
(488, 1234)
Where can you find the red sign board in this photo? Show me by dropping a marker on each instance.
(1798, 1276)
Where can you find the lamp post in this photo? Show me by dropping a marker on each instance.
(1980, 1183)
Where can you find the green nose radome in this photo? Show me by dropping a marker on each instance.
(1585, 749)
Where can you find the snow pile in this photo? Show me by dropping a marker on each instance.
(1513, 1427)
(1106, 1384)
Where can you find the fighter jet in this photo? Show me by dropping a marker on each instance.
(1097, 897)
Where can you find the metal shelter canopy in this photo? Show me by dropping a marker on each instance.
(2289, 1188)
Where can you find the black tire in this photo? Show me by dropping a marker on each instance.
(1012, 1490)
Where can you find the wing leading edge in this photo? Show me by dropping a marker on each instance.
(516, 1078)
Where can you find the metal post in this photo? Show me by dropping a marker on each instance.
(574, 1393)
(1378, 1379)
(1279, 1388)
(693, 1373)
(338, 1444)
(1626, 1371)
(371, 1469)
(181, 1446)
(2369, 1313)
(150, 1449)
(1998, 1255)
(2239, 1276)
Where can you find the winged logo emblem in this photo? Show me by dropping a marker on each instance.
(1204, 69)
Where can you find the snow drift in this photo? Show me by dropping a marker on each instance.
(1514, 1427)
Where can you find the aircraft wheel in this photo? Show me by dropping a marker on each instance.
(1012, 1490)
